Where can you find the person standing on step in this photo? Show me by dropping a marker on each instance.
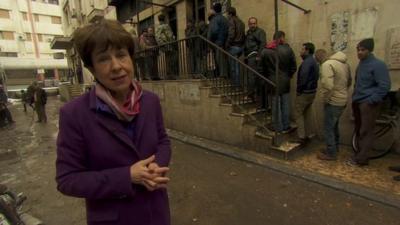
(254, 43)
(218, 34)
(165, 36)
(335, 83)
(234, 44)
(307, 82)
(5, 114)
(278, 48)
(372, 85)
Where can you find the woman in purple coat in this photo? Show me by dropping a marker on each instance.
(112, 148)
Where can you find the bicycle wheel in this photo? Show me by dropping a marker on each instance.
(383, 141)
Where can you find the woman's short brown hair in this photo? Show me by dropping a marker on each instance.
(102, 34)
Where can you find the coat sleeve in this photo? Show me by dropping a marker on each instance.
(327, 80)
(262, 40)
(292, 63)
(163, 154)
(72, 174)
(231, 32)
(382, 79)
(302, 77)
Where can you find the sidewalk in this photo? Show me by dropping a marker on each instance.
(373, 182)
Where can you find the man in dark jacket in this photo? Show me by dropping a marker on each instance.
(218, 34)
(287, 67)
(192, 47)
(372, 85)
(307, 81)
(254, 43)
(234, 44)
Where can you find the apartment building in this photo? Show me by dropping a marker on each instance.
(76, 13)
(26, 29)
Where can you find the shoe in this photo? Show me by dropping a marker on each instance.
(394, 168)
(288, 130)
(396, 178)
(323, 156)
(353, 162)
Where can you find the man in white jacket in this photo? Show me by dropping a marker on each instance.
(335, 83)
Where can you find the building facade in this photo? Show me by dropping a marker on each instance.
(26, 29)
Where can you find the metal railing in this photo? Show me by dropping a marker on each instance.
(198, 58)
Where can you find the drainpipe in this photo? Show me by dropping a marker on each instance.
(34, 36)
(276, 140)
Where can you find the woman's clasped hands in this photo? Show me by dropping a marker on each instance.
(149, 174)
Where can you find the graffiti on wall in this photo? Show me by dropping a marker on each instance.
(393, 48)
(225, 4)
(339, 31)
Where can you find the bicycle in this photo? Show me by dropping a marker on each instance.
(386, 129)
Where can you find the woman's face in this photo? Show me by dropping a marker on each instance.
(113, 68)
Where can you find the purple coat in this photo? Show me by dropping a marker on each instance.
(94, 155)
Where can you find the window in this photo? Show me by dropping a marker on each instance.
(8, 54)
(4, 14)
(55, 2)
(40, 37)
(6, 35)
(36, 16)
(56, 20)
(24, 16)
(28, 36)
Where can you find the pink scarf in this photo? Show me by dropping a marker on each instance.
(131, 106)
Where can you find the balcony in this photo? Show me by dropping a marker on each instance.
(95, 15)
(61, 43)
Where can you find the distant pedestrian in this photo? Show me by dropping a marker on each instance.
(150, 43)
(307, 82)
(193, 49)
(335, 84)
(278, 48)
(5, 114)
(24, 99)
(372, 85)
(254, 43)
(40, 100)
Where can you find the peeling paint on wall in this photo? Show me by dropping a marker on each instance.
(339, 31)
(363, 23)
(393, 48)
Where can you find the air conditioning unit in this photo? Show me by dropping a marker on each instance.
(21, 37)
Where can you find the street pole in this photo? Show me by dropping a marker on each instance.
(276, 141)
(137, 18)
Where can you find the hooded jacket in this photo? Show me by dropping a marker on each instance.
(335, 79)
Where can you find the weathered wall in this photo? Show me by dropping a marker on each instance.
(188, 108)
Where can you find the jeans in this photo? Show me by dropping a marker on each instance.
(331, 127)
(233, 65)
(280, 114)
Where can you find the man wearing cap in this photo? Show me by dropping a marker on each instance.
(372, 85)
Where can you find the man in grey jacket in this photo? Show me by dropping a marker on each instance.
(335, 83)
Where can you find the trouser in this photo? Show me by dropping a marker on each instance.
(234, 66)
(365, 116)
(331, 127)
(303, 103)
(256, 85)
(41, 112)
(280, 112)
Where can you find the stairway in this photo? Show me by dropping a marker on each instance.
(264, 140)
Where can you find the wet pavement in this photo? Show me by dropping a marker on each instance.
(205, 189)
